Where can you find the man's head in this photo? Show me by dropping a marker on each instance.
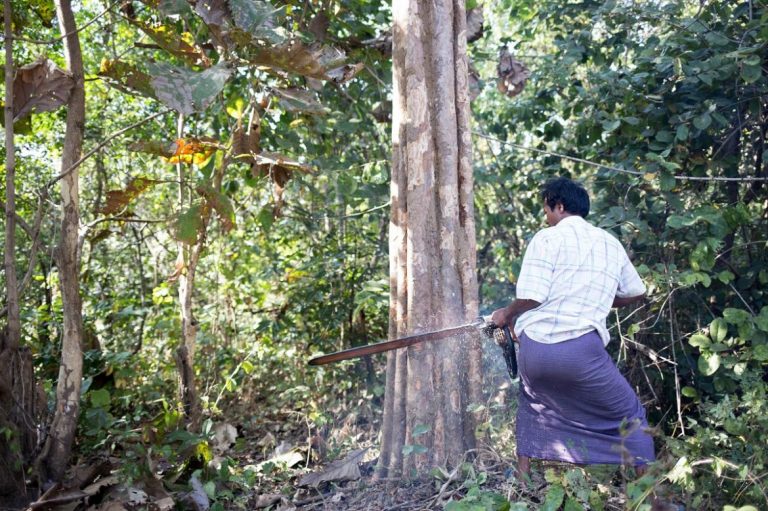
(562, 198)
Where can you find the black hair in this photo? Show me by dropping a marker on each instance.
(570, 194)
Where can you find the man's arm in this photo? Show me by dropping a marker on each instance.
(506, 315)
(619, 301)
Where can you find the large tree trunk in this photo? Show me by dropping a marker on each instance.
(432, 242)
(56, 452)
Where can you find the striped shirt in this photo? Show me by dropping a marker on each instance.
(574, 270)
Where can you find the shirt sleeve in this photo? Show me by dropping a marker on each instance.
(630, 283)
(537, 271)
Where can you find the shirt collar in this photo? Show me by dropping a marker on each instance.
(571, 219)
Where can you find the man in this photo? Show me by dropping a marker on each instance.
(574, 405)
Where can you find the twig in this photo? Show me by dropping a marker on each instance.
(101, 145)
(616, 169)
(61, 38)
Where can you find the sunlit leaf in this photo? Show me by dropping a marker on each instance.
(277, 167)
(709, 363)
(313, 61)
(179, 44)
(126, 77)
(41, 87)
(193, 150)
(188, 91)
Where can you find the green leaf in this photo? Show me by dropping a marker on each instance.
(718, 329)
(709, 363)
(100, 398)
(421, 429)
(761, 320)
(187, 91)
(189, 224)
(609, 126)
(554, 498)
(572, 504)
(703, 121)
(760, 352)
(255, 18)
(689, 392)
(699, 341)
(736, 316)
(174, 7)
(409, 449)
(682, 132)
(751, 73)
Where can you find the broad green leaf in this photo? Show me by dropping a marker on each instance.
(682, 132)
(709, 363)
(699, 340)
(420, 430)
(718, 329)
(761, 320)
(571, 504)
(760, 352)
(689, 392)
(189, 224)
(409, 449)
(751, 74)
(100, 398)
(703, 121)
(736, 316)
(188, 91)
(255, 18)
(554, 498)
(174, 7)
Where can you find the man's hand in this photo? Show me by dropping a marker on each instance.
(507, 315)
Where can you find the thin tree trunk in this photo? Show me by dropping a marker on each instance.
(432, 246)
(54, 458)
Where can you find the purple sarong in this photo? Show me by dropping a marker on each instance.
(575, 406)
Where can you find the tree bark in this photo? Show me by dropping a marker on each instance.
(58, 447)
(18, 397)
(432, 242)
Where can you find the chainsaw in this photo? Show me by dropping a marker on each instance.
(484, 325)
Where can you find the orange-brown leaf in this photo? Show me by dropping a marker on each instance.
(193, 150)
(119, 199)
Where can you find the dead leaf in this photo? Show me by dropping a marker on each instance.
(339, 470)
(318, 27)
(299, 100)
(177, 271)
(277, 166)
(267, 500)
(474, 83)
(160, 498)
(127, 78)
(344, 73)
(221, 204)
(41, 87)
(119, 199)
(197, 497)
(314, 61)
(224, 437)
(94, 488)
(512, 74)
(475, 21)
(213, 12)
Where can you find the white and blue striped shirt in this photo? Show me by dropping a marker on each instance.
(574, 270)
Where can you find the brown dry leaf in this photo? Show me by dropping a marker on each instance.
(127, 77)
(213, 12)
(94, 488)
(267, 500)
(339, 470)
(177, 271)
(40, 86)
(277, 167)
(314, 61)
(512, 74)
(220, 203)
(475, 21)
(118, 199)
